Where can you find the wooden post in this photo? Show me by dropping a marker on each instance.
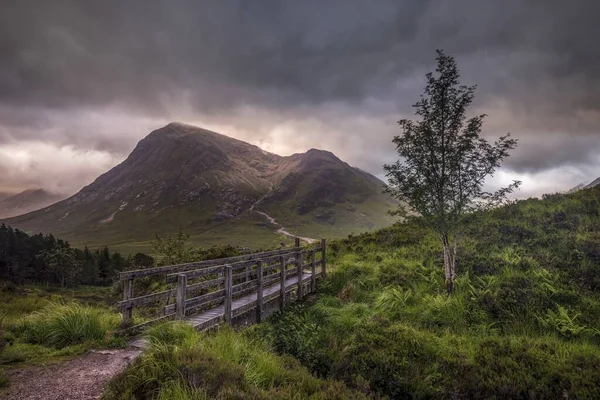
(323, 258)
(228, 285)
(247, 273)
(300, 273)
(259, 291)
(296, 242)
(313, 271)
(180, 296)
(128, 294)
(282, 286)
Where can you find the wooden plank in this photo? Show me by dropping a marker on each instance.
(259, 292)
(180, 296)
(143, 300)
(299, 273)
(243, 286)
(313, 268)
(196, 273)
(282, 285)
(227, 309)
(140, 327)
(206, 284)
(127, 294)
(197, 301)
(323, 258)
(171, 269)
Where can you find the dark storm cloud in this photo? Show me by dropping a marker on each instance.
(100, 74)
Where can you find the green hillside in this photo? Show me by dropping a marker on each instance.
(524, 322)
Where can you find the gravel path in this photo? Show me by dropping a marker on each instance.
(83, 378)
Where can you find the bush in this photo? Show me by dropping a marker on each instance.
(392, 359)
(222, 365)
(61, 325)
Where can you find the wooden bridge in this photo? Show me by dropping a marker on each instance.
(237, 290)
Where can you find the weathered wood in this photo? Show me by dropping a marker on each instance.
(299, 272)
(206, 284)
(173, 269)
(205, 298)
(323, 258)
(140, 327)
(313, 272)
(127, 294)
(180, 296)
(247, 273)
(282, 280)
(228, 294)
(243, 286)
(143, 300)
(259, 292)
(297, 242)
(196, 273)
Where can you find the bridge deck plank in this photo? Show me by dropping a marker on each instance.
(216, 313)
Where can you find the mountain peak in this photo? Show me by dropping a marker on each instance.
(185, 177)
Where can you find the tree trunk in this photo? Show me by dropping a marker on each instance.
(449, 264)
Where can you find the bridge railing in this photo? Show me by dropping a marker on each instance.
(203, 285)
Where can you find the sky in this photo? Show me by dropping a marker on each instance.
(82, 81)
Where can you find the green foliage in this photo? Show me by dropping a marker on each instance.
(63, 264)
(62, 325)
(182, 364)
(45, 259)
(563, 323)
(523, 321)
(444, 161)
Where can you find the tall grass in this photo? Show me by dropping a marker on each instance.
(183, 364)
(62, 325)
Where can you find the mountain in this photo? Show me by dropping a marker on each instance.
(577, 188)
(218, 189)
(6, 195)
(26, 201)
(594, 183)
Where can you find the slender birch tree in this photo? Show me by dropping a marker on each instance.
(444, 161)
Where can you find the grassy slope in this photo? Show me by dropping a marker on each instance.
(41, 325)
(522, 324)
(524, 321)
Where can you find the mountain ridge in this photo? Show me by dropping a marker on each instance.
(181, 177)
(26, 201)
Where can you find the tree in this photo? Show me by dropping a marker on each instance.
(444, 161)
(173, 249)
(105, 271)
(63, 264)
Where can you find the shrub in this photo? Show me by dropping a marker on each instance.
(393, 359)
(61, 325)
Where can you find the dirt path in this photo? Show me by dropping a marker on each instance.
(281, 230)
(80, 379)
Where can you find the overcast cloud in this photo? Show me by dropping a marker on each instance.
(82, 81)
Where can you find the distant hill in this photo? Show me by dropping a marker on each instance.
(27, 201)
(6, 195)
(220, 190)
(593, 184)
(577, 188)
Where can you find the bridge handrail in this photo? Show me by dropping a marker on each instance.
(169, 269)
(260, 271)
